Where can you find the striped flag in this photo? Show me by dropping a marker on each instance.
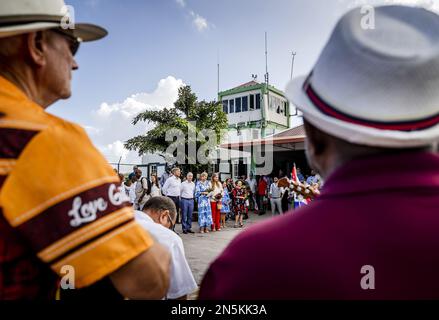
(294, 174)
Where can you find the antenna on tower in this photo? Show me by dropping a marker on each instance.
(218, 71)
(292, 64)
(266, 61)
(267, 75)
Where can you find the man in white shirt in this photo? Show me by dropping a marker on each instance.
(158, 217)
(187, 203)
(132, 188)
(142, 189)
(172, 189)
(252, 183)
(275, 195)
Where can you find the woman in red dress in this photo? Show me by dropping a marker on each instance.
(215, 201)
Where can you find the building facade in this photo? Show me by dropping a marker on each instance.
(254, 111)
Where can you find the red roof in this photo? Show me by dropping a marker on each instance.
(293, 135)
(248, 84)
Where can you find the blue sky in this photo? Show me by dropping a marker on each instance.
(154, 46)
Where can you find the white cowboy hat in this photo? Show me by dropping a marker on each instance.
(376, 87)
(22, 16)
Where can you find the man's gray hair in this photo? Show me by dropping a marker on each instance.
(189, 174)
(175, 170)
(161, 203)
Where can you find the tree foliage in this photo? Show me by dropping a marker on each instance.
(187, 110)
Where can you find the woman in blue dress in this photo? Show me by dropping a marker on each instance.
(204, 211)
(225, 209)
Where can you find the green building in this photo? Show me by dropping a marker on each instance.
(254, 111)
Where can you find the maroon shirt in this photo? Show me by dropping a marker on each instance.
(379, 211)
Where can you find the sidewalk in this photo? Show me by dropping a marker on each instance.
(202, 249)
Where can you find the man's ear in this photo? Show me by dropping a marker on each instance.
(164, 216)
(37, 47)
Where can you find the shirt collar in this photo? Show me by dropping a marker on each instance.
(143, 216)
(385, 172)
(10, 91)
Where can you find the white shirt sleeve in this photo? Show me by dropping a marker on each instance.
(145, 184)
(182, 281)
(132, 192)
(166, 186)
(183, 188)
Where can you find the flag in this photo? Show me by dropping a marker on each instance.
(294, 174)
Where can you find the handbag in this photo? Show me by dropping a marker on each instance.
(265, 200)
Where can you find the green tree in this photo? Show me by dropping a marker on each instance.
(188, 117)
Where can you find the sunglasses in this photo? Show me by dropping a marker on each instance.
(172, 227)
(74, 42)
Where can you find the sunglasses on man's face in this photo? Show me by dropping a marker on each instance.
(172, 226)
(74, 42)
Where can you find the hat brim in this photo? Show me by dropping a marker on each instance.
(353, 133)
(85, 31)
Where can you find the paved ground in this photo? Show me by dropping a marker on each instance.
(202, 249)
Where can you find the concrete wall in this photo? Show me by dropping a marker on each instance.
(272, 115)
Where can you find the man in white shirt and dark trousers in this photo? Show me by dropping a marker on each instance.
(158, 217)
(172, 188)
(142, 190)
(187, 203)
(252, 183)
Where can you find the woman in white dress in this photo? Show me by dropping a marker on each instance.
(155, 186)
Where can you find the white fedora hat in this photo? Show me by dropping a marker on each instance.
(22, 16)
(376, 87)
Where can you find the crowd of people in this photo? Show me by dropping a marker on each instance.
(218, 201)
(161, 203)
(372, 129)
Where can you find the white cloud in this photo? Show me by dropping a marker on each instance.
(92, 131)
(111, 125)
(115, 150)
(200, 23)
(181, 3)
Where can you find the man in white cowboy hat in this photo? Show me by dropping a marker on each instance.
(371, 110)
(62, 214)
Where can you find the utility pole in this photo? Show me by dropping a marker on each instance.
(291, 77)
(218, 74)
(267, 82)
(292, 64)
(118, 164)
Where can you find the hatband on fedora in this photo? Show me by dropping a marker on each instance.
(23, 16)
(379, 86)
